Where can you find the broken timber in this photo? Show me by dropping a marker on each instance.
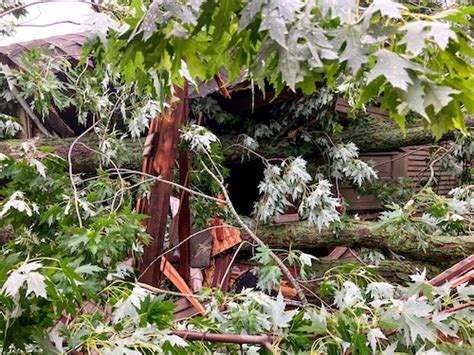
(160, 161)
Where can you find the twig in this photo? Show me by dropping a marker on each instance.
(24, 6)
(165, 292)
(157, 178)
(315, 295)
(229, 267)
(175, 247)
(51, 24)
(122, 181)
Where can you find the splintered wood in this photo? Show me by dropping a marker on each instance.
(159, 161)
(462, 272)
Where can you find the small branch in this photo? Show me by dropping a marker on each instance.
(176, 246)
(165, 292)
(459, 307)
(51, 24)
(71, 175)
(24, 105)
(122, 181)
(191, 191)
(264, 340)
(253, 236)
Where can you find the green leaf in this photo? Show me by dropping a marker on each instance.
(88, 269)
(400, 120)
(359, 344)
(439, 97)
(417, 32)
(155, 310)
(393, 67)
(276, 27)
(414, 98)
(414, 315)
(207, 10)
(280, 317)
(387, 8)
(249, 12)
(344, 9)
(288, 66)
(355, 50)
(369, 91)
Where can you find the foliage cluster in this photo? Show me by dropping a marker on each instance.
(414, 61)
(65, 284)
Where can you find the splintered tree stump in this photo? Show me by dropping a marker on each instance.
(441, 250)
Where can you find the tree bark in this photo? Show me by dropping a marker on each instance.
(392, 270)
(83, 160)
(441, 250)
(379, 135)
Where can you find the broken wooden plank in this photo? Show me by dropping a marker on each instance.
(173, 275)
(454, 271)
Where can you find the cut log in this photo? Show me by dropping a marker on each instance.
(441, 250)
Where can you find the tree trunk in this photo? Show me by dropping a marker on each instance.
(379, 135)
(441, 250)
(83, 160)
(392, 270)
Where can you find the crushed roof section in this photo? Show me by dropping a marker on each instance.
(68, 45)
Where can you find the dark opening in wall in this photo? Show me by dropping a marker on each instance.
(243, 184)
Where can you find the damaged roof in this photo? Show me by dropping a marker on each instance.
(69, 45)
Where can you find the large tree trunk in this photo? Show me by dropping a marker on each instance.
(391, 270)
(379, 135)
(83, 160)
(441, 250)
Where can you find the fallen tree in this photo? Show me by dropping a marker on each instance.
(441, 250)
(84, 160)
(379, 135)
(396, 271)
